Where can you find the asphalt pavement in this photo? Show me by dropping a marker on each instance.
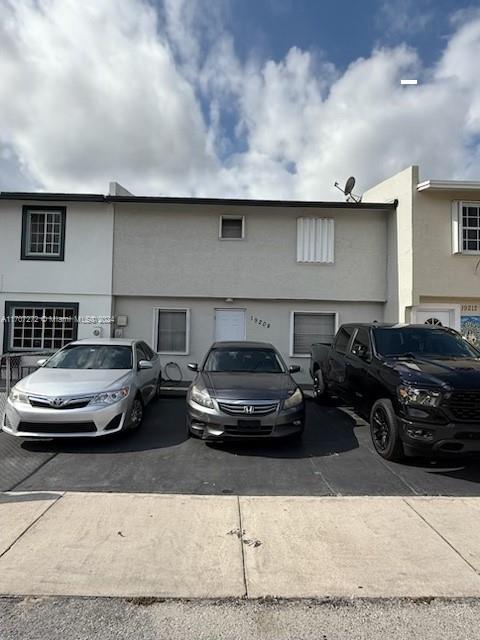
(148, 619)
(336, 457)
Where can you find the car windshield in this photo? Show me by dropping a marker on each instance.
(244, 361)
(92, 356)
(412, 341)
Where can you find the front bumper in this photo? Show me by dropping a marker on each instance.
(446, 438)
(25, 421)
(212, 424)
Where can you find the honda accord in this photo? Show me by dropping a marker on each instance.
(244, 389)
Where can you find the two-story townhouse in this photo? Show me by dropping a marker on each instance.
(56, 254)
(434, 265)
(187, 272)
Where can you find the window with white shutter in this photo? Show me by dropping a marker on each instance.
(308, 328)
(315, 240)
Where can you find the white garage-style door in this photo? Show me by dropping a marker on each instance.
(229, 324)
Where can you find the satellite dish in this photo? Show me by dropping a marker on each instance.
(349, 186)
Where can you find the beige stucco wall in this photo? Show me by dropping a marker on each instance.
(438, 272)
(400, 262)
(174, 250)
(140, 312)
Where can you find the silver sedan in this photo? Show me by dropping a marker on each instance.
(89, 388)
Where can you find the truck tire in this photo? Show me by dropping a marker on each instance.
(319, 390)
(384, 431)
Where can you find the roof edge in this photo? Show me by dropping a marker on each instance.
(448, 185)
(92, 197)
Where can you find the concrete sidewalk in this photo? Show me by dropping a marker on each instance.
(104, 544)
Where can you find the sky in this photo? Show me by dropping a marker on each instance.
(274, 99)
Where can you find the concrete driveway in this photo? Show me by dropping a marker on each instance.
(335, 458)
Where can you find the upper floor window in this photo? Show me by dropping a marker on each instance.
(43, 233)
(232, 227)
(466, 227)
(315, 240)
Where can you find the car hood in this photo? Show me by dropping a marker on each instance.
(249, 386)
(456, 373)
(69, 382)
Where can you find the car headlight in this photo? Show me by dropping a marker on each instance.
(110, 397)
(16, 395)
(202, 397)
(423, 397)
(295, 399)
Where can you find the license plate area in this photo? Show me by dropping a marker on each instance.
(249, 424)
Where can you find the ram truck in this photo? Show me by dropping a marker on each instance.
(417, 385)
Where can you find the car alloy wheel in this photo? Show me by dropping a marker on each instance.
(136, 415)
(380, 429)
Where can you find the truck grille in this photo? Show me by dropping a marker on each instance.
(248, 408)
(465, 405)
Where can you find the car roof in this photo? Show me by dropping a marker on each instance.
(126, 342)
(391, 325)
(242, 344)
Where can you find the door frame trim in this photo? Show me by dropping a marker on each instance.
(438, 306)
(244, 309)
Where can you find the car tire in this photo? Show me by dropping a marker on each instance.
(136, 414)
(320, 393)
(384, 431)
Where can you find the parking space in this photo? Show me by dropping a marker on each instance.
(335, 458)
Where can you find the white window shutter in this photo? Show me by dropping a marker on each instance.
(456, 227)
(315, 240)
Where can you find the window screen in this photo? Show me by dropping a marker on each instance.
(172, 330)
(231, 228)
(309, 328)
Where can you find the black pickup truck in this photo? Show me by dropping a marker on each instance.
(417, 385)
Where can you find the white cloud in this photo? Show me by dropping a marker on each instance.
(103, 90)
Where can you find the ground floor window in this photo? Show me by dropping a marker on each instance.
(173, 330)
(310, 327)
(37, 326)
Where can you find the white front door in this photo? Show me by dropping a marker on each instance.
(229, 324)
(444, 317)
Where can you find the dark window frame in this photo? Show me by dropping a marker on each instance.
(10, 305)
(26, 210)
(240, 218)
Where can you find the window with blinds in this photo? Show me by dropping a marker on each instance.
(308, 328)
(315, 240)
(172, 334)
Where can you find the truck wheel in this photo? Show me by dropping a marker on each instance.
(319, 390)
(384, 431)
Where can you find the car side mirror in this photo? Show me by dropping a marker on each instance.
(294, 368)
(41, 362)
(145, 364)
(193, 366)
(361, 351)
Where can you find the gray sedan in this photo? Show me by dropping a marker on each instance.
(89, 388)
(244, 389)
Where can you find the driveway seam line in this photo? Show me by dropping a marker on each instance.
(28, 476)
(394, 473)
(244, 568)
(441, 536)
(320, 473)
(59, 497)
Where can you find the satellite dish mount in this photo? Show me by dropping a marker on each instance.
(348, 190)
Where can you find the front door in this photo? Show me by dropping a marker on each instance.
(229, 324)
(439, 317)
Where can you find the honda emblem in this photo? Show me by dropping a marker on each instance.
(248, 409)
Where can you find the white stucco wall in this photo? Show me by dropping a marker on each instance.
(400, 263)
(174, 250)
(140, 312)
(85, 275)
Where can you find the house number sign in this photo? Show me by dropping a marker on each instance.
(260, 322)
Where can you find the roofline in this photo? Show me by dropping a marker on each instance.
(92, 197)
(448, 185)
